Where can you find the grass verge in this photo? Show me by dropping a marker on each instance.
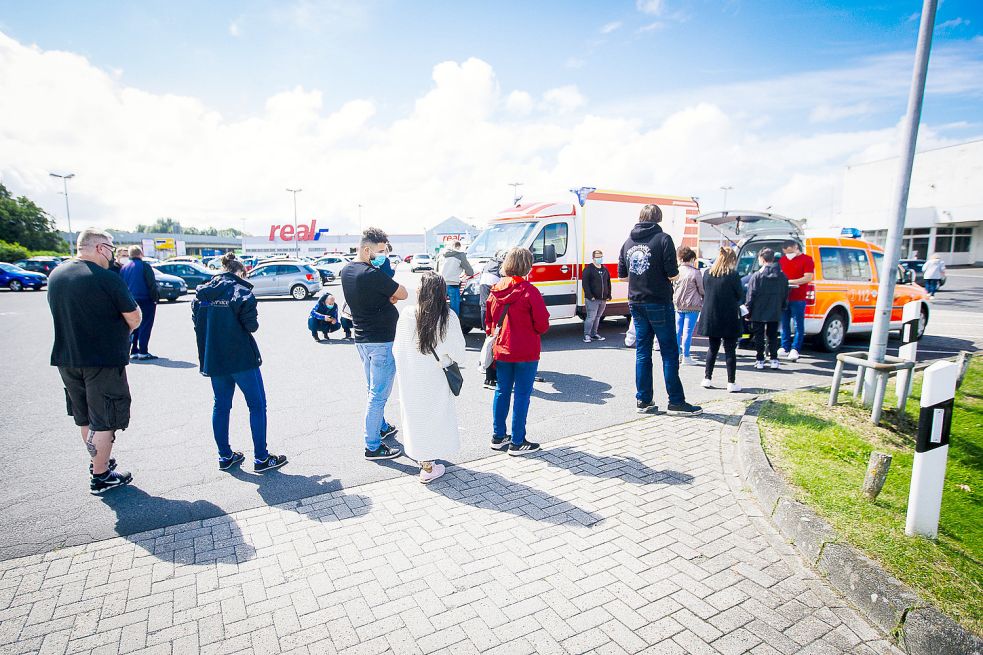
(823, 451)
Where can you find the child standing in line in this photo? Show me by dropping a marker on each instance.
(767, 298)
(687, 296)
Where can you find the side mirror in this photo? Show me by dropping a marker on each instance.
(549, 254)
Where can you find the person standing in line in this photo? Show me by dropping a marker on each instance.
(597, 293)
(648, 260)
(225, 317)
(490, 276)
(372, 296)
(767, 298)
(139, 278)
(387, 266)
(800, 269)
(720, 319)
(116, 266)
(687, 296)
(428, 338)
(517, 310)
(94, 314)
(933, 272)
(452, 264)
(324, 317)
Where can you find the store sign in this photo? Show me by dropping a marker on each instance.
(164, 244)
(304, 232)
(451, 238)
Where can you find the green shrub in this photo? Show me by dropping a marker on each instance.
(11, 252)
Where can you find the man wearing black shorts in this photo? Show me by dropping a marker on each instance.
(93, 315)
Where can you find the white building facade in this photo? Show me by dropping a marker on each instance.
(945, 203)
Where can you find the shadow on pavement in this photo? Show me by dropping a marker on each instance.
(293, 492)
(574, 388)
(493, 492)
(163, 362)
(629, 469)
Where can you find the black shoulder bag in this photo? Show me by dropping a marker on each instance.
(455, 380)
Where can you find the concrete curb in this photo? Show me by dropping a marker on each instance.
(887, 603)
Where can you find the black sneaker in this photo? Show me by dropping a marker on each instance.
(271, 462)
(646, 408)
(684, 409)
(383, 452)
(147, 357)
(224, 464)
(524, 448)
(388, 431)
(490, 384)
(501, 443)
(112, 465)
(99, 484)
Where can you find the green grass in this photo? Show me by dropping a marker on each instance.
(823, 452)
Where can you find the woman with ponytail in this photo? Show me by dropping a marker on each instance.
(720, 319)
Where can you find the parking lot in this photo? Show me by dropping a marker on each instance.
(316, 396)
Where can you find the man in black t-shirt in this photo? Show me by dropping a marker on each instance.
(371, 296)
(94, 314)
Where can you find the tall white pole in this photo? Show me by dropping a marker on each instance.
(68, 213)
(892, 249)
(296, 240)
(515, 191)
(725, 189)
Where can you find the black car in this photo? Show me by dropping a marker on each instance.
(915, 266)
(170, 287)
(39, 265)
(471, 308)
(192, 273)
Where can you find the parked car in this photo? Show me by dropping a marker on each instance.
(846, 278)
(295, 279)
(184, 258)
(915, 266)
(407, 259)
(192, 273)
(171, 287)
(421, 262)
(39, 264)
(331, 263)
(16, 278)
(395, 260)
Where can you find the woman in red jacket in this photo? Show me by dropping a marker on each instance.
(520, 309)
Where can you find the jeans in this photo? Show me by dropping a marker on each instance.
(454, 294)
(595, 309)
(347, 326)
(654, 321)
(796, 311)
(380, 371)
(513, 378)
(140, 338)
(251, 384)
(761, 329)
(931, 286)
(730, 355)
(685, 326)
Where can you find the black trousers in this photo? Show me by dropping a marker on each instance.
(730, 356)
(759, 330)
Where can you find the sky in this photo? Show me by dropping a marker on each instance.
(207, 112)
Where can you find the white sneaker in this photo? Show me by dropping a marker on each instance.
(793, 355)
(689, 361)
(733, 387)
(759, 364)
(586, 339)
(775, 364)
(706, 384)
(436, 470)
(782, 353)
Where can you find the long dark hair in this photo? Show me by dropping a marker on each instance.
(431, 312)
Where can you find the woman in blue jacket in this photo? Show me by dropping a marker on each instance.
(225, 317)
(324, 317)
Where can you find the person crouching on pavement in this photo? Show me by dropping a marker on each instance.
(428, 338)
(720, 319)
(767, 299)
(517, 310)
(324, 317)
(597, 292)
(491, 275)
(93, 314)
(225, 318)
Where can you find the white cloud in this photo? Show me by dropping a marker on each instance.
(564, 99)
(234, 29)
(653, 7)
(574, 62)
(826, 113)
(652, 27)
(519, 102)
(611, 27)
(952, 24)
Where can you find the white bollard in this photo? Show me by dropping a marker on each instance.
(931, 450)
(910, 318)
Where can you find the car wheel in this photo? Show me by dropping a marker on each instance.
(172, 300)
(923, 324)
(298, 292)
(15, 285)
(833, 334)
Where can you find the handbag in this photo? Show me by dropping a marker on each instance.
(455, 380)
(487, 355)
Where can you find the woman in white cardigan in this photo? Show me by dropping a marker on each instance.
(429, 417)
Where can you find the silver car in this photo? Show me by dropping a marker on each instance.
(280, 278)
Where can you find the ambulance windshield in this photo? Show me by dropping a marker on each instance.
(500, 236)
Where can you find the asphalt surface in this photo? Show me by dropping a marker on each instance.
(316, 398)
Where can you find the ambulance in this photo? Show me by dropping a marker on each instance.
(563, 235)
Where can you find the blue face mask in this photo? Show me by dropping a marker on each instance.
(599, 260)
(330, 306)
(379, 260)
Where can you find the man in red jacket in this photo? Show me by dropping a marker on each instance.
(518, 307)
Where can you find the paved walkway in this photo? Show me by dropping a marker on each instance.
(637, 538)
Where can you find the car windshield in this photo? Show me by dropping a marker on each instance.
(500, 236)
(421, 257)
(10, 268)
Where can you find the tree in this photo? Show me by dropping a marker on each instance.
(23, 222)
(163, 226)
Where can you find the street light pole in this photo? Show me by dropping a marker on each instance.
(515, 191)
(725, 189)
(68, 214)
(296, 240)
(360, 219)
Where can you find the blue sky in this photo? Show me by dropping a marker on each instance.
(776, 70)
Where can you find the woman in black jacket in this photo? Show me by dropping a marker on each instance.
(720, 319)
(767, 298)
(225, 317)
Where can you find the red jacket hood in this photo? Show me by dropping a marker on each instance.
(510, 289)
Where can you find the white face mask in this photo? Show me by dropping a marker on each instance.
(791, 255)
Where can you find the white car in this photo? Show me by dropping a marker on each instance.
(421, 262)
(332, 263)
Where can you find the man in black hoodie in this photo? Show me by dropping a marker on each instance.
(648, 260)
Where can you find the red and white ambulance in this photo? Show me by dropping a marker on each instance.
(563, 235)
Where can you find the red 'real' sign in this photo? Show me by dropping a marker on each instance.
(304, 232)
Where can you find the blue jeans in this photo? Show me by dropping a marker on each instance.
(251, 384)
(380, 371)
(932, 286)
(513, 378)
(796, 311)
(685, 326)
(655, 321)
(454, 294)
(140, 338)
